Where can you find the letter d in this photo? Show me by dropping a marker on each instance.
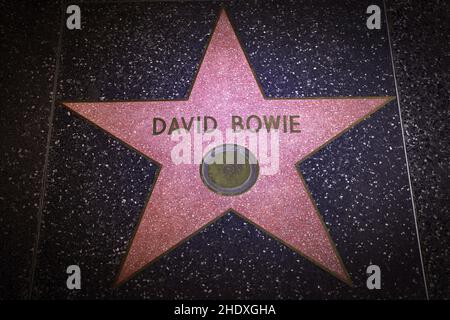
(155, 125)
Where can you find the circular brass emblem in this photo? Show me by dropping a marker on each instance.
(229, 169)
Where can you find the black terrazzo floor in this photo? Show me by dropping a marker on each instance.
(420, 43)
(29, 40)
(85, 209)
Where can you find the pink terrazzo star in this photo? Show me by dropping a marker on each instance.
(180, 203)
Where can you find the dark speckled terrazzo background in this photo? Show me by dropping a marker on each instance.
(303, 51)
(96, 187)
(28, 42)
(421, 46)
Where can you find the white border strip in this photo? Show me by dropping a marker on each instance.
(404, 147)
(47, 153)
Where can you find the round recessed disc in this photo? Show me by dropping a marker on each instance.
(229, 169)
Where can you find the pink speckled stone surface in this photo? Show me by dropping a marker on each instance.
(181, 204)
